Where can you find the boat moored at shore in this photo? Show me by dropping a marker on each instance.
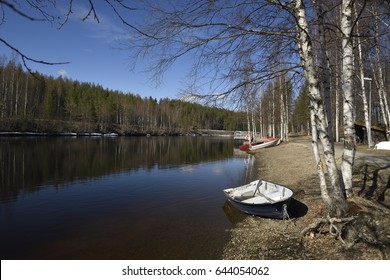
(261, 198)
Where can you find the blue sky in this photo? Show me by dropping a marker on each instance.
(92, 49)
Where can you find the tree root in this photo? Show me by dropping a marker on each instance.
(335, 226)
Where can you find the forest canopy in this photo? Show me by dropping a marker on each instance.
(35, 102)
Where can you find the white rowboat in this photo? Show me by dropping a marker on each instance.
(266, 144)
(261, 198)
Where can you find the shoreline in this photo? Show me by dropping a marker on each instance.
(292, 164)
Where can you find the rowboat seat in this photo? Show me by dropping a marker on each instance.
(274, 194)
(247, 194)
(259, 199)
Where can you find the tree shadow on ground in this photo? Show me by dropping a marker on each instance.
(371, 205)
(373, 183)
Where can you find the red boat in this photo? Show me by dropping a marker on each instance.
(245, 147)
(263, 142)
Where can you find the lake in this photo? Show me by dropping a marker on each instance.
(118, 198)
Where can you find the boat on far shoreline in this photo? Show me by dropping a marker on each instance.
(269, 143)
(263, 143)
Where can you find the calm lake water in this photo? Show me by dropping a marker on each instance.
(118, 198)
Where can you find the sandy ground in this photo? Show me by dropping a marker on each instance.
(292, 164)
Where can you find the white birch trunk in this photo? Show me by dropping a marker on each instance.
(273, 110)
(286, 116)
(25, 96)
(11, 91)
(248, 123)
(261, 120)
(381, 89)
(367, 118)
(317, 158)
(348, 100)
(254, 131)
(324, 64)
(381, 101)
(333, 195)
(282, 113)
(17, 97)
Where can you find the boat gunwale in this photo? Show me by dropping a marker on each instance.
(260, 204)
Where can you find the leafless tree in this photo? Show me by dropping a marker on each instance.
(219, 34)
(48, 12)
(280, 38)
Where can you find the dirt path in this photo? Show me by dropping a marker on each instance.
(292, 164)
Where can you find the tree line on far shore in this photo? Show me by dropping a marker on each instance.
(35, 102)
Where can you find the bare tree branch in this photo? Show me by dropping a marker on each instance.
(91, 11)
(43, 8)
(67, 14)
(26, 58)
(19, 12)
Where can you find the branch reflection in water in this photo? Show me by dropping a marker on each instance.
(116, 198)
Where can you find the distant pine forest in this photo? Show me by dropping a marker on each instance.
(32, 102)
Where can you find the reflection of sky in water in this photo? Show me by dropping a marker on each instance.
(187, 168)
(151, 212)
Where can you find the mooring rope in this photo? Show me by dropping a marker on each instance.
(287, 219)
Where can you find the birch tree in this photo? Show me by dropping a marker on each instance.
(324, 70)
(218, 33)
(334, 198)
(348, 97)
(283, 131)
(218, 37)
(379, 81)
(363, 78)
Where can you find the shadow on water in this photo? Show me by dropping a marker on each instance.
(234, 216)
(296, 209)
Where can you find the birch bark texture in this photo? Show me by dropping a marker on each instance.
(332, 195)
(348, 97)
(363, 78)
(380, 84)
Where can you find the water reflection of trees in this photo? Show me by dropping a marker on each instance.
(26, 163)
